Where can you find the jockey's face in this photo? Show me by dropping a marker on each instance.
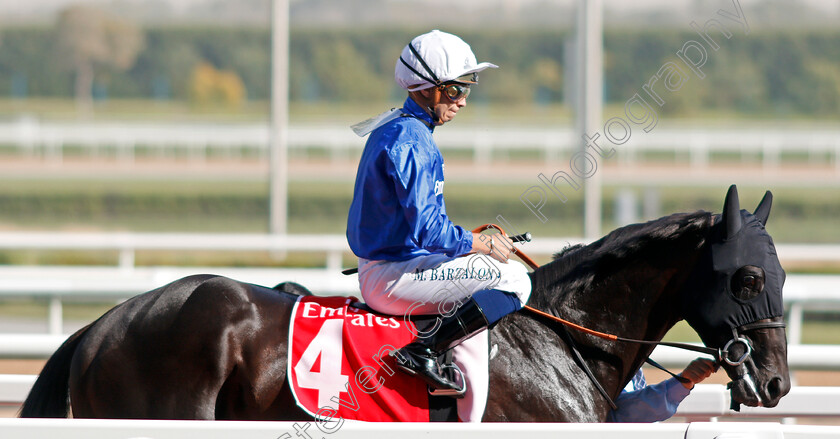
(440, 104)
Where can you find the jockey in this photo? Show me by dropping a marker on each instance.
(412, 259)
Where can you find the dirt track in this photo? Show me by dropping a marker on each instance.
(305, 169)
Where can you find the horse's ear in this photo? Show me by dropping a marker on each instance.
(763, 209)
(732, 212)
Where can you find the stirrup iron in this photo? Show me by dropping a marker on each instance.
(458, 378)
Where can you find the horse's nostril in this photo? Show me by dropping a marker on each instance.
(776, 389)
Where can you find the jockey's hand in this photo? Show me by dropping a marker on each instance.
(497, 246)
(697, 371)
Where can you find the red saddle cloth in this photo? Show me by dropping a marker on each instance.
(339, 363)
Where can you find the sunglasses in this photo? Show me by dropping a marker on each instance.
(455, 92)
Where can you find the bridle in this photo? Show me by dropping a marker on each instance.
(721, 355)
(737, 338)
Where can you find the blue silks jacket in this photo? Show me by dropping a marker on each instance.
(398, 211)
(640, 402)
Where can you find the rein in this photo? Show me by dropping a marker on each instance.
(717, 353)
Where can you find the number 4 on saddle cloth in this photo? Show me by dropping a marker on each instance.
(340, 365)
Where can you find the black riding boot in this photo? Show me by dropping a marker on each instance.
(421, 356)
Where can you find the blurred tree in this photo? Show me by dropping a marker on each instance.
(253, 64)
(822, 92)
(781, 59)
(687, 98)
(505, 86)
(780, 71)
(210, 86)
(547, 75)
(176, 59)
(735, 83)
(89, 38)
(346, 75)
(631, 57)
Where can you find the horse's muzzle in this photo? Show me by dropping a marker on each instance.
(762, 393)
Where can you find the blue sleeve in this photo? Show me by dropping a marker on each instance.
(422, 206)
(653, 403)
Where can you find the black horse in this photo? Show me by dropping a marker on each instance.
(208, 347)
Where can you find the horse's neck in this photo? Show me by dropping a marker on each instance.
(636, 297)
(634, 302)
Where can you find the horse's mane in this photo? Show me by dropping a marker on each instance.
(577, 265)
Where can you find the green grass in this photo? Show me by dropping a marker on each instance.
(299, 112)
(323, 112)
(133, 109)
(38, 309)
(200, 205)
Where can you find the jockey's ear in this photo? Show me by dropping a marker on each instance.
(763, 209)
(731, 213)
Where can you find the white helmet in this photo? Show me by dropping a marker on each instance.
(434, 58)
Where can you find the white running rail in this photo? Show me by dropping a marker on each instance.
(136, 429)
(50, 140)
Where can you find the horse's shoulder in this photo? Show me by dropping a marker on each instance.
(525, 333)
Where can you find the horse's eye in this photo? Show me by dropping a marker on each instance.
(747, 282)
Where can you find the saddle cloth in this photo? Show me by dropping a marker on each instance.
(339, 363)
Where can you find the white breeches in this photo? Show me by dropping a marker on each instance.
(434, 284)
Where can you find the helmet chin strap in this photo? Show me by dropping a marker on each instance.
(435, 119)
(429, 103)
(431, 108)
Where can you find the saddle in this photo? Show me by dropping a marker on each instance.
(340, 364)
(450, 370)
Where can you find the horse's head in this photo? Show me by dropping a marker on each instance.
(735, 303)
